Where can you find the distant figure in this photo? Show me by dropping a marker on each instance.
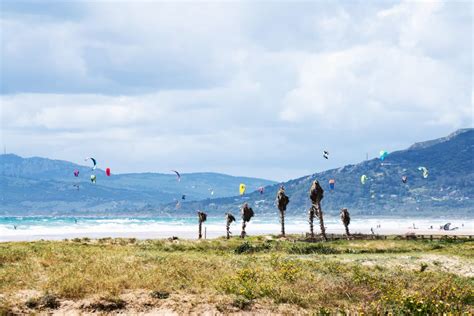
(282, 201)
(346, 220)
(229, 218)
(14, 227)
(316, 194)
(247, 213)
(75, 221)
(431, 227)
(202, 218)
(445, 226)
(372, 230)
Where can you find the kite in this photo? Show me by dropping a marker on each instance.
(332, 182)
(363, 179)
(76, 173)
(383, 154)
(93, 161)
(178, 175)
(242, 188)
(425, 172)
(326, 154)
(93, 178)
(404, 179)
(107, 172)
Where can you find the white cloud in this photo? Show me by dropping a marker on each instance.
(253, 89)
(367, 84)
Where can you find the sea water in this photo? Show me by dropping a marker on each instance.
(54, 228)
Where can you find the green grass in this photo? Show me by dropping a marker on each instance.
(372, 276)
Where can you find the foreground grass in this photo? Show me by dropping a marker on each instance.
(416, 277)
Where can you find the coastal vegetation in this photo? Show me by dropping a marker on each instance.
(258, 274)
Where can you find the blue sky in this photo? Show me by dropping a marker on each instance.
(245, 88)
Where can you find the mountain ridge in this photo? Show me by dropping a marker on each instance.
(39, 185)
(432, 142)
(449, 159)
(450, 185)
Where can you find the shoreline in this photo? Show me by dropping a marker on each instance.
(51, 229)
(191, 237)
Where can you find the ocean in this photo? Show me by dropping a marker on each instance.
(57, 228)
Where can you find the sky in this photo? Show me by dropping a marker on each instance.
(250, 88)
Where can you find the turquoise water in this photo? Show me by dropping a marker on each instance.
(49, 227)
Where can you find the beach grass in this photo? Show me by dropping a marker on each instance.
(258, 273)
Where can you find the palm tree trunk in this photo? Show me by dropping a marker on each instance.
(200, 229)
(282, 221)
(243, 233)
(321, 221)
(347, 231)
(311, 221)
(227, 227)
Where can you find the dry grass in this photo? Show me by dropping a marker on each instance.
(372, 276)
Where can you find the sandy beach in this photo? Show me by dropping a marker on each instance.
(30, 229)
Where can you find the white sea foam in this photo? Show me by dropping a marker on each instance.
(60, 228)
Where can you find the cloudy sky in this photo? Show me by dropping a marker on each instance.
(245, 88)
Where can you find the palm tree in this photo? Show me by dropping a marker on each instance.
(202, 218)
(346, 220)
(229, 219)
(247, 213)
(316, 194)
(282, 202)
(311, 215)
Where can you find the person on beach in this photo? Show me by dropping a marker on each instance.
(247, 213)
(282, 202)
(316, 194)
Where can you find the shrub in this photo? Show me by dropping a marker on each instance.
(49, 301)
(108, 304)
(249, 283)
(423, 267)
(304, 249)
(241, 302)
(32, 302)
(245, 247)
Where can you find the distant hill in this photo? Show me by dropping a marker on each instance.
(39, 186)
(34, 186)
(448, 190)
